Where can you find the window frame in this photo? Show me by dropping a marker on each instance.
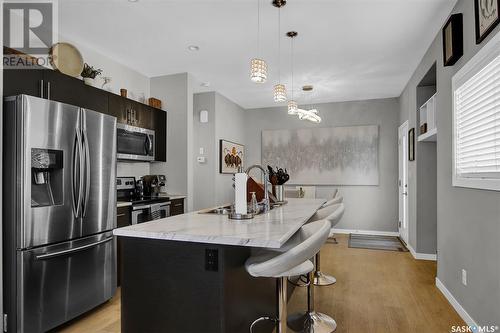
(486, 55)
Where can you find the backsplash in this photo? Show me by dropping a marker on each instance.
(132, 169)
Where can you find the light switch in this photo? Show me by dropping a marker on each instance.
(202, 150)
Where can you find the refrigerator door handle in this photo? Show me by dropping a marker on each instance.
(77, 168)
(87, 173)
(73, 250)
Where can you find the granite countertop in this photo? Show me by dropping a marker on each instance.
(270, 230)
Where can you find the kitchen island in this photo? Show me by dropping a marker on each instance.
(186, 273)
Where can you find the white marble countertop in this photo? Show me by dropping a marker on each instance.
(123, 204)
(270, 230)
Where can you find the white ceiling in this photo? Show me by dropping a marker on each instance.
(348, 49)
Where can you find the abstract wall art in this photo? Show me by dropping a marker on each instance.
(325, 156)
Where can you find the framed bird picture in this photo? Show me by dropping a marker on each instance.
(231, 156)
(487, 17)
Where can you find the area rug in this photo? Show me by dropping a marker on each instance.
(387, 243)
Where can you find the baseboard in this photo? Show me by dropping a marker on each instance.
(421, 256)
(454, 303)
(365, 232)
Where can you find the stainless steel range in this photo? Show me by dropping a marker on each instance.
(148, 207)
(59, 212)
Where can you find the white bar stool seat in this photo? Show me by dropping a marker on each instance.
(294, 261)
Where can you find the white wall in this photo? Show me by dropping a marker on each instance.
(468, 220)
(367, 207)
(176, 93)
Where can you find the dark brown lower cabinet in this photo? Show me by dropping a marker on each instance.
(122, 220)
(176, 207)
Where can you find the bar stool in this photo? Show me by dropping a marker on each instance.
(311, 321)
(321, 279)
(281, 265)
(336, 200)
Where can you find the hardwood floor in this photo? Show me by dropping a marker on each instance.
(376, 291)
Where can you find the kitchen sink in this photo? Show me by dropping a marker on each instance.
(226, 210)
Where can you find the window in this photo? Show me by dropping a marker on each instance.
(476, 120)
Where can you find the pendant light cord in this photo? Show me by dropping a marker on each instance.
(258, 28)
(279, 45)
(292, 67)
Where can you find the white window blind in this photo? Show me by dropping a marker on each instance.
(477, 123)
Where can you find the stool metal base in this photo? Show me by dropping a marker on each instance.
(312, 322)
(321, 279)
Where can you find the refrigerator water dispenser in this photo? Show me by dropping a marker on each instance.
(47, 177)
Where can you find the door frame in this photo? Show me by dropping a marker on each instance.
(403, 216)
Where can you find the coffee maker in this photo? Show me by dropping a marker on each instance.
(153, 184)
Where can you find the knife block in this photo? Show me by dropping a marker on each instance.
(258, 188)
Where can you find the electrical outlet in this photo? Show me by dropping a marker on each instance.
(464, 277)
(212, 260)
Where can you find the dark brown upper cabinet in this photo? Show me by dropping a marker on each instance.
(120, 106)
(53, 85)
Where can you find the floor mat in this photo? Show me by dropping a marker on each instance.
(387, 243)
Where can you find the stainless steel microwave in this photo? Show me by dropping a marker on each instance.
(135, 143)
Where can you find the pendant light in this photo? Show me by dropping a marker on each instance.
(292, 105)
(258, 67)
(279, 89)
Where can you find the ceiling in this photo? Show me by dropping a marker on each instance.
(347, 49)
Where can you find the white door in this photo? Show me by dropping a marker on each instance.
(403, 181)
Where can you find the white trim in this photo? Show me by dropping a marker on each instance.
(421, 256)
(365, 232)
(454, 303)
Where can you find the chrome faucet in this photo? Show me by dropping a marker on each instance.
(267, 204)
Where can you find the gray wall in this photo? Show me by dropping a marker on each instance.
(229, 125)
(468, 220)
(176, 93)
(204, 137)
(422, 209)
(225, 121)
(367, 207)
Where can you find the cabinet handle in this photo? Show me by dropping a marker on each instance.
(48, 90)
(41, 88)
(177, 205)
(120, 215)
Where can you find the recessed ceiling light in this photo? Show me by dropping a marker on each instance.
(193, 48)
(205, 84)
(133, 0)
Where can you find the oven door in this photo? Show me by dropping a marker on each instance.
(135, 143)
(150, 212)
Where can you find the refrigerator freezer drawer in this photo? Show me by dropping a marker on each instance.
(60, 282)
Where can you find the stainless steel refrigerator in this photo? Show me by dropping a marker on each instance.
(59, 195)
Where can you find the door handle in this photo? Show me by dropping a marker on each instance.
(73, 250)
(120, 215)
(87, 173)
(41, 88)
(149, 144)
(405, 193)
(48, 89)
(77, 193)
